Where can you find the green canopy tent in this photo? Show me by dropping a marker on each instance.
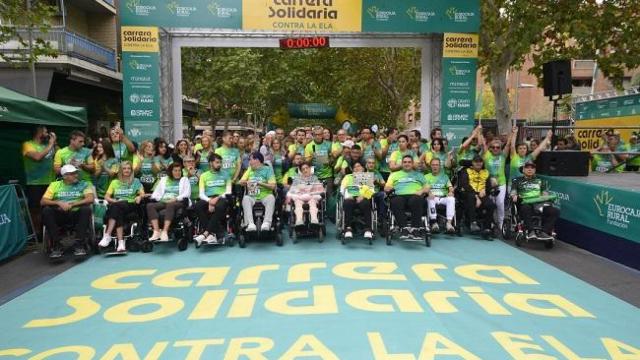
(19, 113)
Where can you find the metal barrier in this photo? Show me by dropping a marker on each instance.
(72, 44)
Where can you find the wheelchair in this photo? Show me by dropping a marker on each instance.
(357, 224)
(258, 218)
(181, 230)
(67, 239)
(513, 226)
(133, 229)
(391, 228)
(482, 214)
(308, 229)
(230, 234)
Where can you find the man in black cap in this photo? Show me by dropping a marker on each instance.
(530, 191)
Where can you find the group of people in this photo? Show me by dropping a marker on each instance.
(161, 178)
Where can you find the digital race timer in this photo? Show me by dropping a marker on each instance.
(304, 42)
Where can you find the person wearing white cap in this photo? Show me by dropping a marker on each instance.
(67, 201)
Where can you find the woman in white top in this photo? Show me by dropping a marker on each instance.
(169, 194)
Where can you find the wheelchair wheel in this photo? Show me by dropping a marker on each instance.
(279, 240)
(519, 238)
(147, 246)
(388, 235)
(241, 241)
(507, 230)
(427, 239)
(134, 244)
(322, 232)
(183, 243)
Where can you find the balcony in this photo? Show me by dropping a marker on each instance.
(70, 44)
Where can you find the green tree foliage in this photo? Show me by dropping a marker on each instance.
(606, 31)
(373, 85)
(16, 17)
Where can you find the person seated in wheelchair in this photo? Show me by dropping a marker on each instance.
(212, 206)
(192, 173)
(476, 185)
(409, 187)
(529, 193)
(378, 187)
(305, 189)
(440, 193)
(123, 196)
(67, 201)
(260, 182)
(354, 197)
(292, 173)
(170, 195)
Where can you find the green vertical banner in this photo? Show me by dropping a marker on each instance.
(141, 82)
(13, 231)
(459, 66)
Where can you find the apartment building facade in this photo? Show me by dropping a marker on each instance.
(86, 71)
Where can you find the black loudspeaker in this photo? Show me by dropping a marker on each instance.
(557, 78)
(563, 163)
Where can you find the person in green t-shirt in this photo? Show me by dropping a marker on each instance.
(378, 188)
(527, 191)
(67, 201)
(292, 173)
(299, 146)
(203, 152)
(231, 157)
(212, 206)
(495, 160)
(395, 158)
(409, 186)
(75, 154)
(124, 195)
(170, 194)
(123, 148)
(260, 182)
(436, 151)
(162, 160)
(470, 146)
(318, 153)
(370, 146)
(37, 158)
(106, 167)
(353, 198)
(192, 173)
(633, 163)
(143, 165)
(387, 147)
(440, 192)
(519, 153)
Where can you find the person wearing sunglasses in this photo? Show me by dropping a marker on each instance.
(495, 160)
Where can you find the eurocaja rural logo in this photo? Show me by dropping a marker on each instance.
(222, 12)
(137, 7)
(175, 8)
(458, 16)
(419, 16)
(380, 14)
(617, 215)
(302, 9)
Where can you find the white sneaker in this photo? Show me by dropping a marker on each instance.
(266, 226)
(164, 236)
(251, 227)
(155, 236)
(368, 234)
(199, 239)
(348, 234)
(121, 246)
(211, 240)
(106, 240)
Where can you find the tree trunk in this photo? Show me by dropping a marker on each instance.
(498, 79)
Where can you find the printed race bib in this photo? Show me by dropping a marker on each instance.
(252, 188)
(147, 179)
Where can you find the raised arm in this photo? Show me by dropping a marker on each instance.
(543, 145)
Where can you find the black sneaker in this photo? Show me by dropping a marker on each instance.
(417, 234)
(56, 254)
(404, 233)
(474, 227)
(79, 251)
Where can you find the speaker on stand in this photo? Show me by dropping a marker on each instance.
(557, 82)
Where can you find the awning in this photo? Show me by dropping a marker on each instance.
(18, 108)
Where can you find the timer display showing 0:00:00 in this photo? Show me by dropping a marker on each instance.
(301, 43)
